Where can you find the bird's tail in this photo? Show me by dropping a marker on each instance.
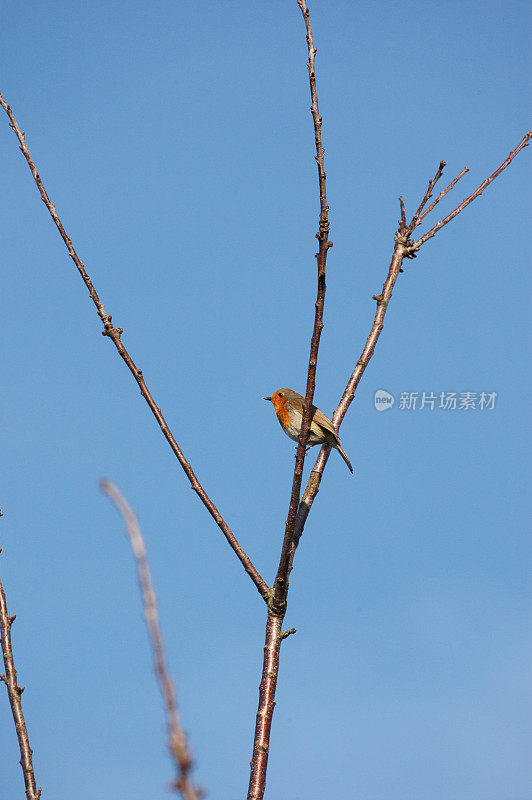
(342, 453)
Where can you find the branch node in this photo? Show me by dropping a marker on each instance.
(286, 634)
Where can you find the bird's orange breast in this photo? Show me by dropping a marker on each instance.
(281, 409)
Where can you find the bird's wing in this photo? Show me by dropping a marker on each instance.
(323, 421)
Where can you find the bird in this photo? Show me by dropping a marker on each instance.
(288, 406)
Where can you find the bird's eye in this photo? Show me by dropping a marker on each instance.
(280, 394)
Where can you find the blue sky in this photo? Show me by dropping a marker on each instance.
(176, 141)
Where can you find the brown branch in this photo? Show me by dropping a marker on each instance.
(383, 299)
(426, 198)
(115, 335)
(403, 249)
(277, 605)
(14, 692)
(286, 634)
(281, 580)
(177, 741)
(433, 231)
(442, 195)
(402, 221)
(280, 585)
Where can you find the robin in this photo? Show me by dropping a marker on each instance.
(288, 406)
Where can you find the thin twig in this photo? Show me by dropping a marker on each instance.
(286, 634)
(15, 691)
(441, 195)
(277, 605)
(115, 335)
(402, 250)
(433, 231)
(426, 198)
(402, 221)
(177, 741)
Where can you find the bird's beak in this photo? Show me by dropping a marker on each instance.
(267, 398)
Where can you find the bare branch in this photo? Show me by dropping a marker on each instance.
(281, 579)
(177, 741)
(15, 691)
(442, 195)
(426, 198)
(277, 604)
(433, 231)
(382, 299)
(115, 335)
(402, 250)
(286, 634)
(402, 221)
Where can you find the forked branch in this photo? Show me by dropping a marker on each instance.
(403, 249)
(441, 196)
(507, 161)
(177, 740)
(426, 198)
